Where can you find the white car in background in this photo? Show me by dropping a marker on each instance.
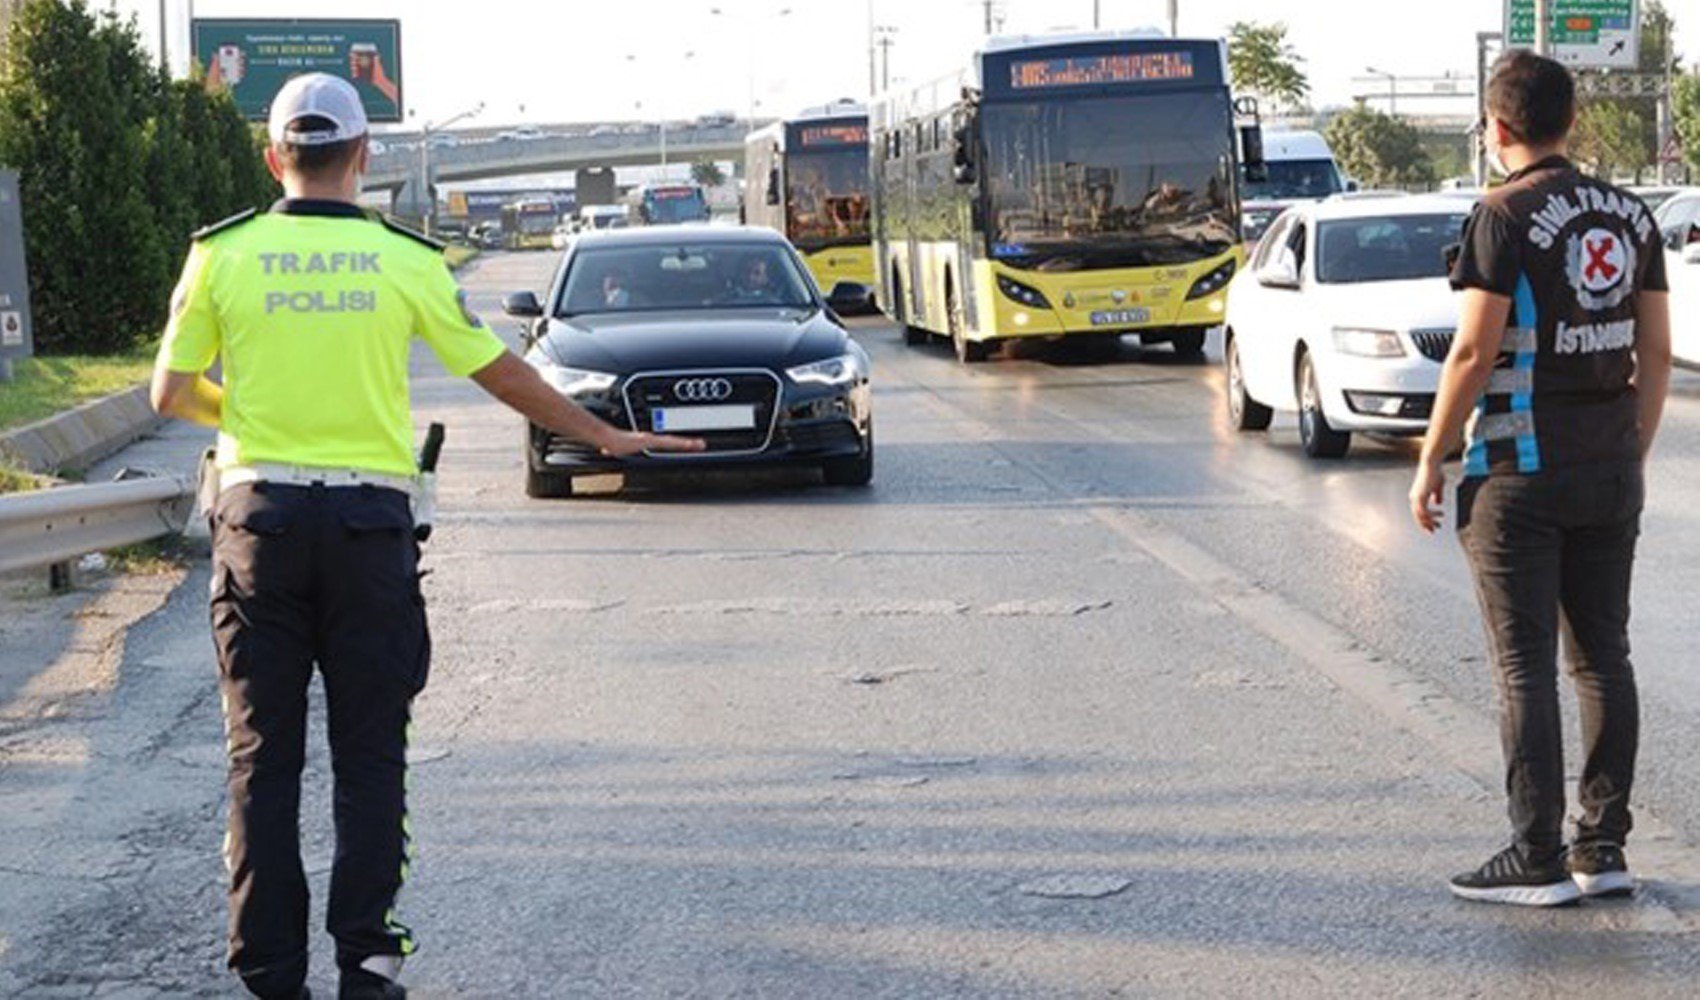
(1678, 219)
(1345, 317)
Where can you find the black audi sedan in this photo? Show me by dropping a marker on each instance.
(706, 331)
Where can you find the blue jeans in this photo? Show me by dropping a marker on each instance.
(1552, 553)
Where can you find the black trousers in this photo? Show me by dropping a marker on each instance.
(1552, 554)
(305, 576)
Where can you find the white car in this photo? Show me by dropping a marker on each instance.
(1678, 219)
(1345, 316)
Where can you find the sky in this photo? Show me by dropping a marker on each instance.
(585, 60)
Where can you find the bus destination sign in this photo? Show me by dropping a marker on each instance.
(1090, 71)
(835, 135)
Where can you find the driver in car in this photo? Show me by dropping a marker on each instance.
(753, 283)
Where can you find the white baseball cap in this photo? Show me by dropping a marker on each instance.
(317, 95)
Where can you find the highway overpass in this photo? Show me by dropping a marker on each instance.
(398, 169)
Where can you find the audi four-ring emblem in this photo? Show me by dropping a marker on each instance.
(702, 390)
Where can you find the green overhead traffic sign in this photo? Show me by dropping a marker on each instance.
(1590, 34)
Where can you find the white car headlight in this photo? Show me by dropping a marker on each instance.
(573, 381)
(842, 370)
(1368, 343)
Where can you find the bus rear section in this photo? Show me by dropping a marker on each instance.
(808, 178)
(1072, 187)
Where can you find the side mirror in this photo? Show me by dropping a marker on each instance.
(773, 186)
(1282, 272)
(962, 156)
(1352, 184)
(523, 305)
(849, 298)
(1251, 154)
(1691, 254)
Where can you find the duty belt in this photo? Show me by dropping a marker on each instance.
(307, 475)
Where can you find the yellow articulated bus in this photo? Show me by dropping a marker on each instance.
(808, 178)
(1059, 186)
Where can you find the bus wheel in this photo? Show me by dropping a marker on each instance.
(1189, 343)
(967, 351)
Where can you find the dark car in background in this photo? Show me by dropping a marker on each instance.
(706, 331)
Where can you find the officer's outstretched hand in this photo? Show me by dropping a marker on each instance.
(624, 443)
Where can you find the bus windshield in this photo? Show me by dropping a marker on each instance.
(1291, 180)
(533, 218)
(827, 197)
(1110, 181)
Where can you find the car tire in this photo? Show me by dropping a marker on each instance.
(1318, 439)
(968, 352)
(547, 484)
(855, 471)
(1189, 343)
(1244, 413)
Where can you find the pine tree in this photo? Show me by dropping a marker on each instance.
(74, 101)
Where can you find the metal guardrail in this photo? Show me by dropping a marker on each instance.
(48, 527)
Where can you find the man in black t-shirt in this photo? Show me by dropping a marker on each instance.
(1557, 377)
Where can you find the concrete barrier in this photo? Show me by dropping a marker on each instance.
(76, 439)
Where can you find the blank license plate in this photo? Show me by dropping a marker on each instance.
(1119, 317)
(684, 419)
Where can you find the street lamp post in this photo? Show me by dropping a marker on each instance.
(661, 107)
(749, 48)
(428, 219)
(1392, 88)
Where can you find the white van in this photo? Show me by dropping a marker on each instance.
(1301, 168)
(601, 216)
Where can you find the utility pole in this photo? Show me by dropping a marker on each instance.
(1174, 18)
(1096, 20)
(991, 9)
(873, 78)
(164, 63)
(883, 38)
(1543, 28)
(1483, 40)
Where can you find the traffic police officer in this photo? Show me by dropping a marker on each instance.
(1563, 354)
(311, 308)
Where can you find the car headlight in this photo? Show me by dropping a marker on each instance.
(570, 381)
(1024, 294)
(1368, 343)
(1213, 282)
(842, 370)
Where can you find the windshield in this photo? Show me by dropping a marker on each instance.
(674, 205)
(1386, 247)
(1110, 182)
(683, 276)
(535, 220)
(826, 197)
(1294, 180)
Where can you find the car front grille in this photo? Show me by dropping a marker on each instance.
(1433, 344)
(645, 392)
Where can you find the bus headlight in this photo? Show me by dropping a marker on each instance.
(1024, 294)
(1213, 282)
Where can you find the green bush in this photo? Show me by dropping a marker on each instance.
(117, 164)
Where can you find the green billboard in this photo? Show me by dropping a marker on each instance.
(255, 58)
